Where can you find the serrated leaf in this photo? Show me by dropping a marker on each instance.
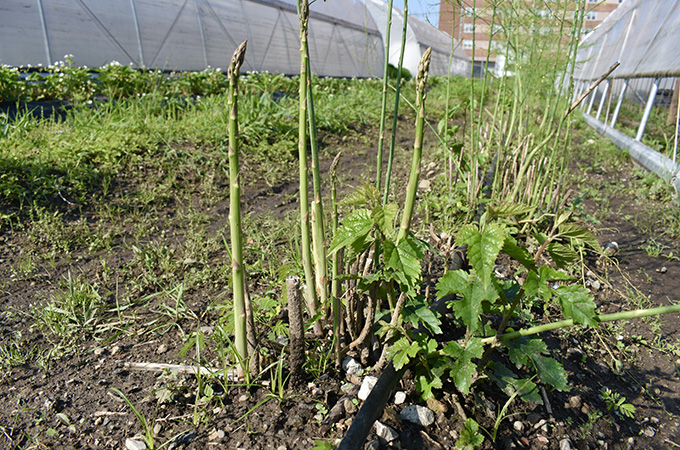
(469, 438)
(580, 234)
(453, 282)
(429, 318)
(354, 229)
(561, 254)
(367, 194)
(404, 259)
(463, 370)
(518, 253)
(524, 388)
(403, 350)
(577, 304)
(551, 372)
(549, 274)
(483, 248)
(507, 209)
(531, 284)
(425, 384)
(469, 307)
(521, 350)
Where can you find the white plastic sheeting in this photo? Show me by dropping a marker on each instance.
(190, 34)
(345, 39)
(643, 35)
(419, 36)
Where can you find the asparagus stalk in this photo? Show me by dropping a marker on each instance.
(235, 211)
(412, 187)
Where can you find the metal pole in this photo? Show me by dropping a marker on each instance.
(140, 48)
(618, 103)
(592, 100)
(46, 38)
(603, 99)
(648, 110)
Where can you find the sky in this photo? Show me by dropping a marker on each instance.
(427, 10)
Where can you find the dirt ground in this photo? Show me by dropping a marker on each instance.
(69, 402)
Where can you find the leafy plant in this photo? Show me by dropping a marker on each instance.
(617, 403)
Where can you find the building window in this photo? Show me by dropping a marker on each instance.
(467, 44)
(468, 28)
(469, 11)
(591, 15)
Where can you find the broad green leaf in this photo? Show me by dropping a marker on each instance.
(561, 254)
(520, 254)
(463, 370)
(404, 260)
(453, 282)
(531, 284)
(383, 217)
(429, 318)
(507, 380)
(469, 438)
(367, 194)
(507, 209)
(469, 308)
(580, 234)
(354, 228)
(551, 372)
(403, 350)
(483, 248)
(521, 350)
(549, 274)
(425, 384)
(577, 304)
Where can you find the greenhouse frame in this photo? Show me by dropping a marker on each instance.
(641, 36)
(346, 36)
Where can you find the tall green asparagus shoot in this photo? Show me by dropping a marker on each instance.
(235, 211)
(421, 80)
(310, 293)
(395, 113)
(318, 228)
(383, 107)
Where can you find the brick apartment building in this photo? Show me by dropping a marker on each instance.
(456, 18)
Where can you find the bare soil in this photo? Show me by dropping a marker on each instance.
(68, 402)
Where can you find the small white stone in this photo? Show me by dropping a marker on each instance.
(161, 349)
(351, 366)
(565, 444)
(366, 387)
(134, 444)
(418, 414)
(385, 432)
(518, 426)
(596, 285)
(399, 397)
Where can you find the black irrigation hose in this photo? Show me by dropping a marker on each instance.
(372, 408)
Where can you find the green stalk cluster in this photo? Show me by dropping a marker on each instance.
(310, 282)
(240, 334)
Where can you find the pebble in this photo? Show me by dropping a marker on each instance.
(216, 435)
(366, 387)
(350, 407)
(565, 444)
(351, 366)
(518, 426)
(664, 269)
(294, 422)
(157, 429)
(575, 402)
(134, 444)
(649, 432)
(281, 447)
(424, 185)
(99, 350)
(631, 443)
(436, 406)
(349, 389)
(399, 397)
(243, 398)
(418, 414)
(596, 285)
(385, 432)
(161, 349)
